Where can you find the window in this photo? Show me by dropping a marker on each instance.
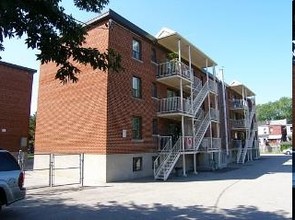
(154, 90)
(136, 128)
(155, 126)
(136, 87)
(137, 164)
(136, 49)
(154, 55)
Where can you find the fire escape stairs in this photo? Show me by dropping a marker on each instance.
(242, 152)
(167, 160)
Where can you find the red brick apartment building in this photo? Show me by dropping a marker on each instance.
(158, 116)
(15, 100)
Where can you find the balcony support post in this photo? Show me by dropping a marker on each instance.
(182, 142)
(195, 163)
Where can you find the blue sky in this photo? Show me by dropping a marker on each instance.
(251, 39)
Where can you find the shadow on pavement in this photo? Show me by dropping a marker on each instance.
(57, 209)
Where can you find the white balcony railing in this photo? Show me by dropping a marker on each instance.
(173, 105)
(174, 68)
(213, 86)
(241, 123)
(206, 144)
(238, 104)
(214, 114)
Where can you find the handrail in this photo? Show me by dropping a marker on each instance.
(200, 98)
(166, 154)
(173, 105)
(166, 140)
(201, 131)
(174, 67)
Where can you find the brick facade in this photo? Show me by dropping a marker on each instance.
(15, 101)
(94, 116)
(72, 117)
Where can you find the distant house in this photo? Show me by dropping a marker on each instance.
(273, 132)
(15, 100)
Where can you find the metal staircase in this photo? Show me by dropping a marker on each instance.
(168, 157)
(200, 131)
(166, 160)
(242, 152)
(199, 99)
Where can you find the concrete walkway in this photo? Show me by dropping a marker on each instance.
(256, 190)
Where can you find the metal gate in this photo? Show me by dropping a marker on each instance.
(55, 170)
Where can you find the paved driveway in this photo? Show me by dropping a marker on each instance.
(259, 189)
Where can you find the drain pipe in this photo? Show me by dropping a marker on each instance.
(224, 112)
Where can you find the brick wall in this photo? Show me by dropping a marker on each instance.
(72, 117)
(15, 100)
(122, 106)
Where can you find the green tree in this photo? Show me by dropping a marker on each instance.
(58, 36)
(276, 110)
(32, 127)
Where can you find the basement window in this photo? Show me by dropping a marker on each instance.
(137, 164)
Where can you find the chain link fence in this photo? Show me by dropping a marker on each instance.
(49, 170)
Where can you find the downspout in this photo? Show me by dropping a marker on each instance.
(224, 112)
(217, 126)
(210, 125)
(209, 103)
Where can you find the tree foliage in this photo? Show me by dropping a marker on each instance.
(32, 128)
(58, 36)
(276, 110)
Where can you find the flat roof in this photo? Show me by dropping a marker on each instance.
(241, 89)
(32, 71)
(110, 14)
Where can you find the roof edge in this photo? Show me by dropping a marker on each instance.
(32, 71)
(110, 14)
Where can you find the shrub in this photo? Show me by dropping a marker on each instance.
(285, 145)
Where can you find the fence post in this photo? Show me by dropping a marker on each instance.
(51, 165)
(82, 169)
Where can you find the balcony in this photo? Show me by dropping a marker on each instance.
(206, 145)
(214, 114)
(172, 107)
(238, 104)
(213, 86)
(170, 73)
(239, 124)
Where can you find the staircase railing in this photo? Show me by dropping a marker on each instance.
(200, 132)
(249, 142)
(164, 166)
(200, 97)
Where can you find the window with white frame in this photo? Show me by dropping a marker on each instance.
(136, 49)
(136, 87)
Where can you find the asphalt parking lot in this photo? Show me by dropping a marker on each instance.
(260, 189)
